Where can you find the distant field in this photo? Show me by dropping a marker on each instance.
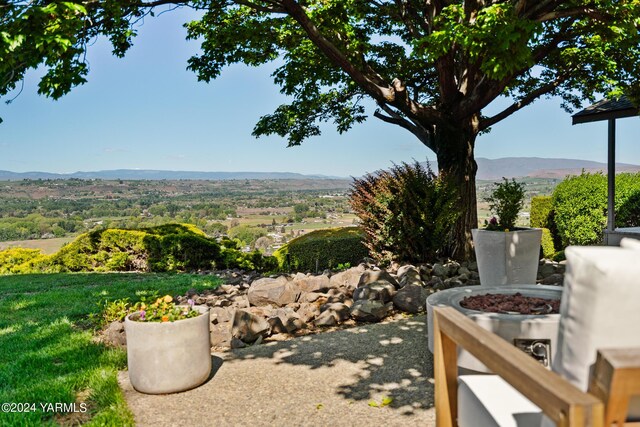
(48, 246)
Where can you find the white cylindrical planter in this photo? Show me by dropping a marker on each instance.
(507, 257)
(168, 357)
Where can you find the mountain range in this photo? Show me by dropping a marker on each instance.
(488, 169)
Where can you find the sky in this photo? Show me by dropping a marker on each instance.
(147, 111)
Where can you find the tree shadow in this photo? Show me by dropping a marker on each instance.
(392, 360)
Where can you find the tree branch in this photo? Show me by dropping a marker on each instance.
(394, 118)
(528, 99)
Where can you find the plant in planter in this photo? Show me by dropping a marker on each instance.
(506, 254)
(168, 346)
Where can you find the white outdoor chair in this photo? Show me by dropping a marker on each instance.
(600, 315)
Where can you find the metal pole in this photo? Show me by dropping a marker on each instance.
(611, 176)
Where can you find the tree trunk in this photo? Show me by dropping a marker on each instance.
(454, 150)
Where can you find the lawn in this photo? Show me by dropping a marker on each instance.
(47, 350)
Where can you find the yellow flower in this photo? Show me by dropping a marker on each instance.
(167, 298)
(165, 318)
(506, 230)
(159, 300)
(143, 306)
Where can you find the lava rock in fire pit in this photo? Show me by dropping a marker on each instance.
(511, 304)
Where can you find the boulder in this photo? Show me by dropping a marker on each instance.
(405, 269)
(370, 311)
(435, 283)
(440, 270)
(411, 298)
(554, 279)
(310, 297)
(308, 311)
(248, 327)
(291, 320)
(277, 327)
(325, 319)
(380, 290)
(220, 315)
(115, 335)
(347, 279)
(410, 279)
(220, 335)
(278, 291)
(312, 283)
(338, 310)
(371, 276)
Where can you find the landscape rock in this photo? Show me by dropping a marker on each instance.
(452, 282)
(115, 335)
(311, 297)
(411, 279)
(435, 283)
(402, 271)
(278, 291)
(334, 295)
(219, 315)
(308, 311)
(291, 319)
(337, 309)
(276, 325)
(248, 327)
(220, 335)
(464, 270)
(381, 290)
(411, 298)
(371, 276)
(237, 343)
(554, 279)
(312, 283)
(370, 311)
(347, 279)
(439, 270)
(325, 319)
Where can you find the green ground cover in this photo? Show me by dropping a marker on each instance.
(48, 353)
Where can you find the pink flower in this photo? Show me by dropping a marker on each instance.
(142, 314)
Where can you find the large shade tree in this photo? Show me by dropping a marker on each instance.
(431, 66)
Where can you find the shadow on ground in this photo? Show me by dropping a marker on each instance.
(391, 359)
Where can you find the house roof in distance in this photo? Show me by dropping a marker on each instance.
(606, 109)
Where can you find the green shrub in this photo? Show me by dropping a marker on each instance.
(246, 234)
(407, 213)
(580, 206)
(329, 248)
(547, 248)
(14, 259)
(543, 216)
(541, 210)
(506, 201)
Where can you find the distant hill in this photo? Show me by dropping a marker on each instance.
(488, 169)
(142, 174)
(513, 167)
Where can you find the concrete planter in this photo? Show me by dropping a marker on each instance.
(509, 257)
(168, 357)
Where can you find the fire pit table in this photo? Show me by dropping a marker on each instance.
(536, 334)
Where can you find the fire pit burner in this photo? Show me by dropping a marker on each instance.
(511, 304)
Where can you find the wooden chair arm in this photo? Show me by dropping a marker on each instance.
(616, 377)
(558, 399)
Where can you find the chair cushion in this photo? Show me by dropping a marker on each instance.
(629, 243)
(600, 308)
(489, 401)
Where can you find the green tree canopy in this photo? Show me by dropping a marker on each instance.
(431, 66)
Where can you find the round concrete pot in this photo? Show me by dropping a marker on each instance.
(507, 257)
(168, 357)
(508, 326)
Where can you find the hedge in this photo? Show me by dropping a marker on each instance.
(580, 206)
(328, 248)
(547, 248)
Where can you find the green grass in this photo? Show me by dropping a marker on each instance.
(47, 351)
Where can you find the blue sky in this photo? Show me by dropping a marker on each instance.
(147, 111)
